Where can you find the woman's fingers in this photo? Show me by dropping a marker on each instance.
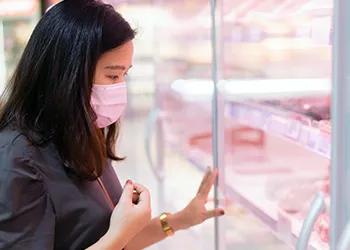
(204, 182)
(135, 198)
(143, 195)
(214, 213)
(207, 182)
(127, 194)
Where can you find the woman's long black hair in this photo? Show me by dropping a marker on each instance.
(48, 97)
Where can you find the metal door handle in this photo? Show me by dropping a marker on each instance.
(317, 207)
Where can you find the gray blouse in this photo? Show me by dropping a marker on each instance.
(42, 206)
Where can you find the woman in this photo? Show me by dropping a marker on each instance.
(58, 130)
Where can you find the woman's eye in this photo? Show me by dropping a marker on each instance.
(113, 77)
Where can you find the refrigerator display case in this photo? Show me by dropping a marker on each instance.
(17, 21)
(250, 93)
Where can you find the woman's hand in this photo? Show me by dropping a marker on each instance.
(131, 215)
(195, 213)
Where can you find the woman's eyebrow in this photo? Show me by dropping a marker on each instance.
(116, 67)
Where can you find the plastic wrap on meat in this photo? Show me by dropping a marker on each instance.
(298, 198)
(294, 196)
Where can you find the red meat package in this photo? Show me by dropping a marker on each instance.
(322, 227)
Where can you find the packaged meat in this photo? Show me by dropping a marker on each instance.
(322, 227)
(294, 195)
(315, 108)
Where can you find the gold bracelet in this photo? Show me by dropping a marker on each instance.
(163, 218)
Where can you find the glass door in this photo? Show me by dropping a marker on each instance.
(183, 55)
(276, 85)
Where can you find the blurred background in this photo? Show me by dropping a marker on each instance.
(270, 122)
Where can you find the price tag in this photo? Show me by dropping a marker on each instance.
(256, 119)
(265, 118)
(324, 144)
(245, 115)
(304, 134)
(313, 139)
(293, 129)
(248, 116)
(284, 227)
(241, 114)
(277, 125)
(234, 111)
(238, 113)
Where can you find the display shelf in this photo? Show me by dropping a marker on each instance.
(253, 198)
(266, 89)
(250, 193)
(259, 89)
(295, 128)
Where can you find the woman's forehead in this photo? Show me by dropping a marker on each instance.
(122, 54)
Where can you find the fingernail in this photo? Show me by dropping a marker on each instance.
(129, 182)
(222, 212)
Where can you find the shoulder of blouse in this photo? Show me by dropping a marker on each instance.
(16, 150)
(23, 194)
(19, 168)
(16, 142)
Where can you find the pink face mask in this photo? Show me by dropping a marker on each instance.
(108, 102)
